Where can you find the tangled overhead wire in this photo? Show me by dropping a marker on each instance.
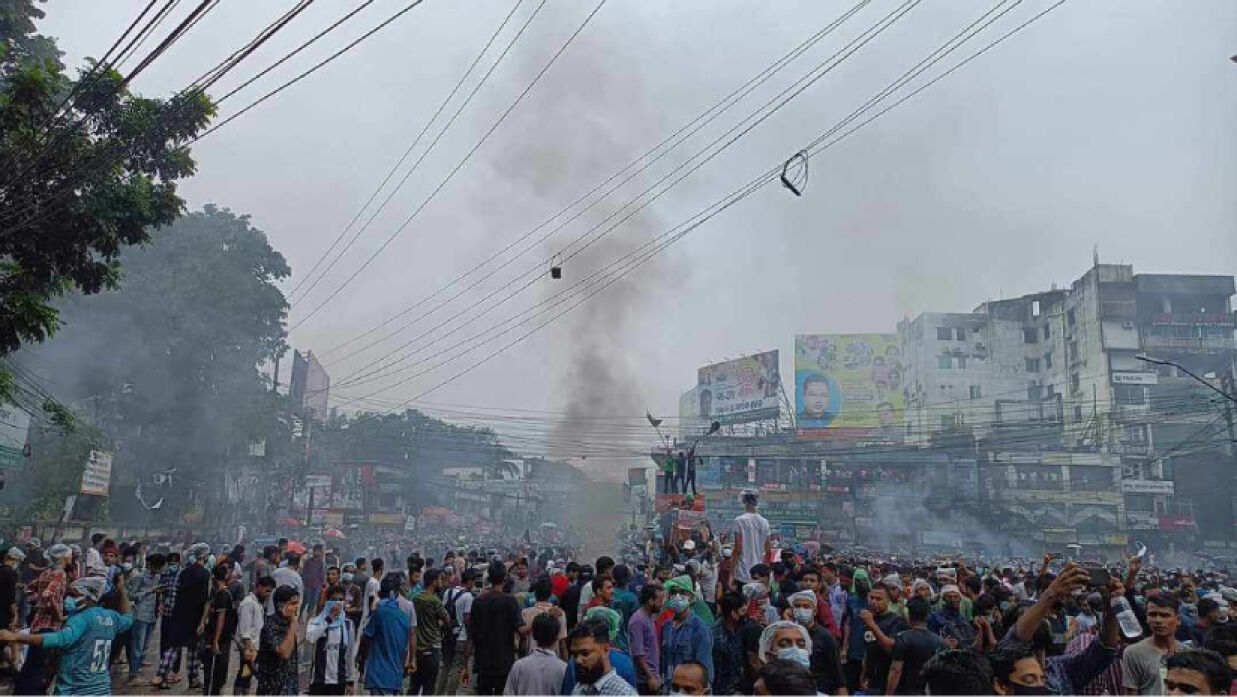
(794, 173)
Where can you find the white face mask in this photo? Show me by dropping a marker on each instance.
(795, 654)
(803, 615)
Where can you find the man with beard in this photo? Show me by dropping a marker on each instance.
(824, 664)
(590, 652)
(949, 623)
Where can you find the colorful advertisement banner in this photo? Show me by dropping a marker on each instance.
(849, 385)
(745, 389)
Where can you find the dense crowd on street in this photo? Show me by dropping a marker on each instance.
(685, 614)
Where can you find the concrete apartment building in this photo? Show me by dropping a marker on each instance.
(1079, 440)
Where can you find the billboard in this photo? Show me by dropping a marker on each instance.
(738, 391)
(849, 386)
(98, 473)
(310, 388)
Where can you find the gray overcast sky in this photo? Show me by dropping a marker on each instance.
(1108, 123)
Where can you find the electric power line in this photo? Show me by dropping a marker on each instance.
(415, 141)
(686, 131)
(457, 167)
(747, 190)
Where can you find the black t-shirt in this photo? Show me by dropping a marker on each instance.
(222, 602)
(492, 624)
(914, 647)
(825, 665)
(8, 594)
(571, 603)
(891, 624)
(192, 594)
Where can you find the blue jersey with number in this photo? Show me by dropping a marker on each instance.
(85, 646)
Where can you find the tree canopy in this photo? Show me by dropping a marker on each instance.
(78, 184)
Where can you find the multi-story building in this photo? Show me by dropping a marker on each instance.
(1064, 369)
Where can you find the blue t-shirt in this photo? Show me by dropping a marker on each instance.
(388, 632)
(619, 661)
(85, 646)
(856, 648)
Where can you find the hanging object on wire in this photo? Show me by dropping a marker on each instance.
(794, 173)
(556, 266)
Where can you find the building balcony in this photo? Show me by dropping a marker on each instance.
(1172, 343)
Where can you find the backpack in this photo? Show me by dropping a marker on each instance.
(451, 636)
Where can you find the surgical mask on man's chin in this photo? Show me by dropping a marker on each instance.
(803, 615)
(796, 655)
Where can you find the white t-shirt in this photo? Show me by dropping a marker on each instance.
(708, 581)
(754, 530)
(463, 607)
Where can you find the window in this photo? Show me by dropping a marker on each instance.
(944, 334)
(1047, 331)
(1130, 394)
(1035, 308)
(1073, 350)
(976, 392)
(1166, 371)
(947, 421)
(1135, 433)
(1032, 365)
(1075, 382)
(945, 361)
(1049, 391)
(961, 361)
(1048, 360)
(1032, 391)
(1077, 413)
(960, 333)
(1030, 336)
(1069, 318)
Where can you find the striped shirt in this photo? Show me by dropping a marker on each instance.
(609, 684)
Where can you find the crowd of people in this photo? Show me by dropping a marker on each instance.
(689, 616)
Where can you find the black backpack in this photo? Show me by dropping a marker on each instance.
(450, 636)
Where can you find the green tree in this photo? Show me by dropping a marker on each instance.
(166, 369)
(78, 188)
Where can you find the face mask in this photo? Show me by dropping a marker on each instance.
(1028, 690)
(127, 567)
(70, 605)
(795, 654)
(173, 566)
(346, 577)
(210, 562)
(677, 603)
(803, 615)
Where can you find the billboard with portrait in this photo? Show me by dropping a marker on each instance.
(849, 385)
(738, 391)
